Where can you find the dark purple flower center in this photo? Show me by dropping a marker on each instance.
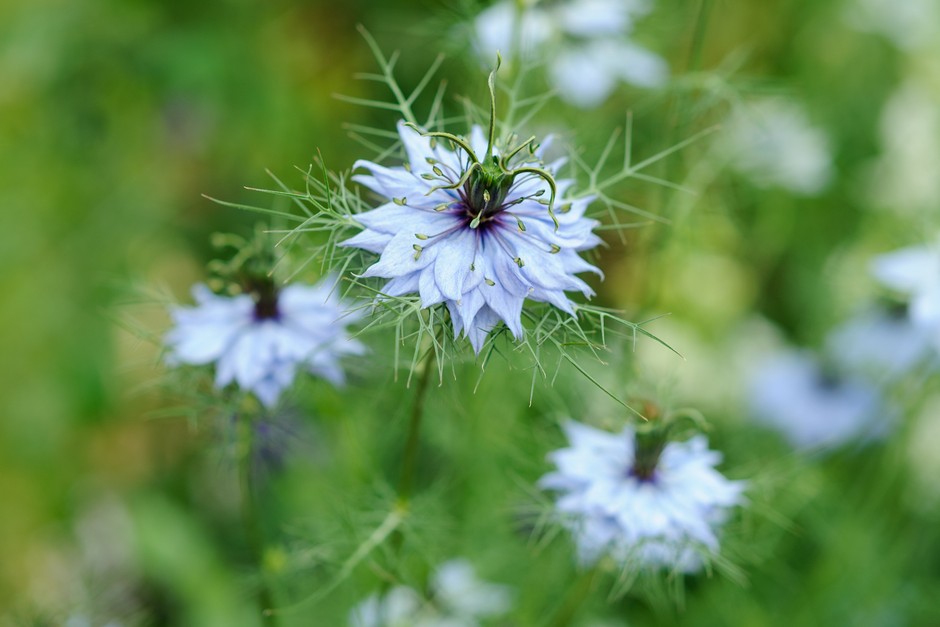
(828, 380)
(897, 311)
(265, 294)
(648, 448)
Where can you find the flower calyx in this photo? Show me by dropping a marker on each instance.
(653, 436)
(486, 183)
(248, 271)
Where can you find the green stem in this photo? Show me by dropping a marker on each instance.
(574, 600)
(410, 454)
(698, 36)
(252, 521)
(409, 457)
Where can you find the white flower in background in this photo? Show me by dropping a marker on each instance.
(459, 593)
(398, 607)
(665, 516)
(908, 23)
(773, 143)
(883, 342)
(812, 408)
(468, 229)
(260, 344)
(458, 599)
(583, 43)
(914, 272)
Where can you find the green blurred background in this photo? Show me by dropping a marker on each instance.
(117, 115)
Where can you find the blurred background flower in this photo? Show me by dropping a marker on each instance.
(641, 499)
(583, 44)
(813, 406)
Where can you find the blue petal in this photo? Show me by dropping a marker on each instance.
(392, 218)
(541, 267)
(507, 306)
(455, 319)
(388, 182)
(417, 148)
(468, 306)
(501, 268)
(478, 141)
(480, 327)
(553, 297)
(373, 241)
(427, 288)
(575, 264)
(399, 286)
(398, 258)
(453, 262)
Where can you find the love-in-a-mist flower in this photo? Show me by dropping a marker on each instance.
(914, 273)
(583, 42)
(883, 342)
(458, 598)
(640, 498)
(814, 407)
(475, 228)
(261, 339)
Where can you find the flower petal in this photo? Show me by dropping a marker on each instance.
(454, 258)
(401, 257)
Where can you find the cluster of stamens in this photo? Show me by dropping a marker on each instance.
(484, 184)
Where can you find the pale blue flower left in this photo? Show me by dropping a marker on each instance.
(261, 346)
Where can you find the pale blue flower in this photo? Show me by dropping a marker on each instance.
(813, 407)
(665, 518)
(882, 342)
(465, 233)
(261, 346)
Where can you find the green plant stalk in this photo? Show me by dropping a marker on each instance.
(573, 601)
(252, 521)
(410, 455)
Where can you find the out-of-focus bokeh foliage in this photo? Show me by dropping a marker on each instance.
(116, 116)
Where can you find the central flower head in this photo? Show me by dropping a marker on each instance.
(475, 233)
(485, 192)
(479, 235)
